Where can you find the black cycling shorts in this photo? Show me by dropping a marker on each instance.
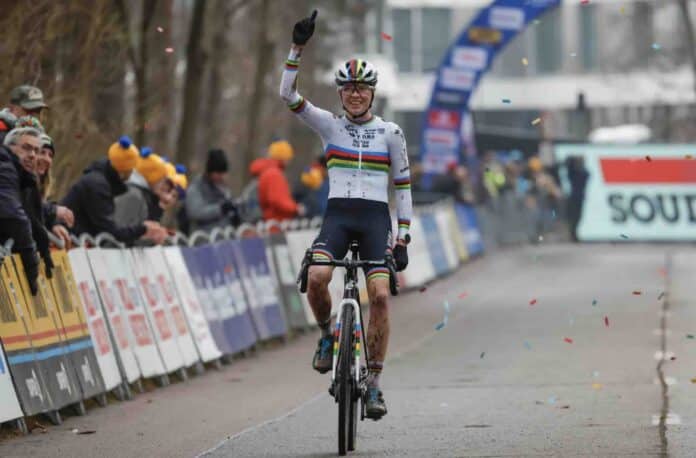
(365, 221)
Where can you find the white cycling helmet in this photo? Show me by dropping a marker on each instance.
(356, 71)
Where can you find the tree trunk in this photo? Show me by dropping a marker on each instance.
(263, 55)
(195, 61)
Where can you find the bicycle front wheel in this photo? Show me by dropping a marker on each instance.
(345, 382)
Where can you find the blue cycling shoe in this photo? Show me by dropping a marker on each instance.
(323, 358)
(375, 408)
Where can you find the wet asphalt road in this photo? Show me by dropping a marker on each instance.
(559, 377)
(528, 366)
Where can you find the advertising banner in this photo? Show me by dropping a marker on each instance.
(286, 275)
(635, 192)
(8, 396)
(173, 305)
(433, 241)
(258, 278)
(50, 350)
(132, 308)
(98, 328)
(202, 269)
(420, 267)
(112, 308)
(162, 324)
(16, 341)
(188, 298)
(468, 223)
(448, 240)
(465, 62)
(74, 327)
(228, 294)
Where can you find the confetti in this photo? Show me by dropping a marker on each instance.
(594, 302)
(656, 46)
(386, 36)
(527, 345)
(624, 236)
(483, 353)
(160, 29)
(525, 62)
(622, 10)
(606, 321)
(647, 158)
(565, 407)
(662, 271)
(573, 54)
(595, 374)
(423, 289)
(169, 50)
(533, 302)
(637, 293)
(661, 295)
(440, 326)
(462, 295)
(596, 386)
(673, 358)
(584, 2)
(507, 101)
(551, 400)
(568, 340)
(689, 336)
(536, 121)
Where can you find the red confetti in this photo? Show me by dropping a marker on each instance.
(532, 302)
(568, 340)
(637, 293)
(584, 2)
(386, 36)
(606, 321)
(169, 50)
(422, 290)
(462, 296)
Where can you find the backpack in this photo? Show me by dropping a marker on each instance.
(248, 203)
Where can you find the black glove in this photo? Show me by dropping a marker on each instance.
(48, 264)
(400, 257)
(304, 29)
(227, 206)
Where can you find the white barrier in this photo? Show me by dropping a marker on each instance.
(112, 309)
(95, 318)
(172, 304)
(186, 291)
(133, 312)
(443, 226)
(160, 322)
(10, 409)
(298, 242)
(420, 268)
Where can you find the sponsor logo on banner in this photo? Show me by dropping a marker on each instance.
(162, 325)
(469, 57)
(438, 162)
(140, 329)
(62, 379)
(87, 298)
(100, 336)
(455, 78)
(540, 3)
(441, 139)
(484, 35)
(501, 17)
(629, 197)
(33, 386)
(122, 288)
(449, 98)
(444, 119)
(179, 321)
(120, 331)
(87, 372)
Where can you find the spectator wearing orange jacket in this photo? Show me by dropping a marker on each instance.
(274, 194)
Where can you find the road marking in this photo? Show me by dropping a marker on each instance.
(670, 381)
(671, 419)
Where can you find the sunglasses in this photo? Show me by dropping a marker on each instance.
(360, 88)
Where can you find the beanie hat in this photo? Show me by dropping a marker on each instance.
(535, 164)
(280, 150)
(123, 155)
(150, 166)
(171, 170)
(179, 179)
(47, 142)
(30, 121)
(312, 178)
(217, 161)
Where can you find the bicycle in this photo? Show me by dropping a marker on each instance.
(348, 383)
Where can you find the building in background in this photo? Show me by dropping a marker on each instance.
(625, 61)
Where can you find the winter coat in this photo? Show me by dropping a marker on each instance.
(14, 219)
(137, 204)
(274, 192)
(204, 205)
(92, 201)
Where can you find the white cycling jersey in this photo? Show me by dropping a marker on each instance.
(359, 157)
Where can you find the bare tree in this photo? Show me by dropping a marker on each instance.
(690, 39)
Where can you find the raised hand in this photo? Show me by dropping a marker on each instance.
(303, 30)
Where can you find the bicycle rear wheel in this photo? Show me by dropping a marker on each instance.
(345, 382)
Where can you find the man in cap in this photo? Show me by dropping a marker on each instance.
(26, 100)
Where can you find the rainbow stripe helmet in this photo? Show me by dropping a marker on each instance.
(356, 71)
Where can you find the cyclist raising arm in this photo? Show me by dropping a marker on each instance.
(361, 151)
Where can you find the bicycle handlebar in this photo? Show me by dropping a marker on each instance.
(387, 262)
